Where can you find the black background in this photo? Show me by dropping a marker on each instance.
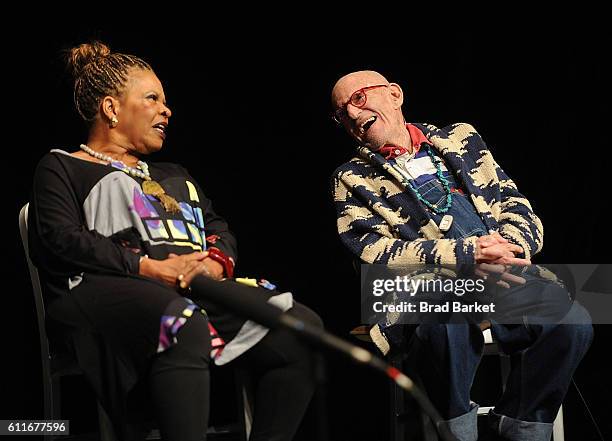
(250, 121)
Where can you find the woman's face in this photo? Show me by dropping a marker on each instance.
(142, 112)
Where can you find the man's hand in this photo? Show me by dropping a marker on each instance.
(495, 255)
(486, 270)
(491, 239)
(493, 248)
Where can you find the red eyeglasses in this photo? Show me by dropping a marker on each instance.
(358, 99)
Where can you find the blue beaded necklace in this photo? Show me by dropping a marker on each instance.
(449, 195)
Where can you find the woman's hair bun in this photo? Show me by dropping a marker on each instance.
(80, 56)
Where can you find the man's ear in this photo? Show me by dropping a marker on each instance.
(397, 95)
(109, 107)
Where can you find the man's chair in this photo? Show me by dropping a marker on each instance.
(57, 364)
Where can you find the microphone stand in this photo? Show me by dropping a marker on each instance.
(247, 302)
(361, 356)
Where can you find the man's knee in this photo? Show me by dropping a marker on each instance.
(574, 337)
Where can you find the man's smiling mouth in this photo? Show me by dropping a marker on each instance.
(367, 124)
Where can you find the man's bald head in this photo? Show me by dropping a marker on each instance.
(354, 81)
(369, 107)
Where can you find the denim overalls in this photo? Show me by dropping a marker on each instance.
(544, 356)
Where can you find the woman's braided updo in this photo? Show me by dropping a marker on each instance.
(97, 73)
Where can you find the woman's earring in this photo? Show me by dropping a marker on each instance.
(113, 122)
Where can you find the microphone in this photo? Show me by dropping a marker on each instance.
(243, 300)
(251, 303)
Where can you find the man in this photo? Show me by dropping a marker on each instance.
(417, 194)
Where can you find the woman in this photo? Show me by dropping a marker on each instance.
(127, 250)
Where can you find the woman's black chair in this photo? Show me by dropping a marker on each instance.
(57, 363)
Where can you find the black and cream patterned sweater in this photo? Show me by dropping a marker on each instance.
(380, 220)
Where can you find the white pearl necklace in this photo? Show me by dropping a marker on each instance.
(141, 172)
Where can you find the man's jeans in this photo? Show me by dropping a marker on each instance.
(544, 355)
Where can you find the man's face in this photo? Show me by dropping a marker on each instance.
(372, 115)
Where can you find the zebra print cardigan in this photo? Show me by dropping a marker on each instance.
(381, 221)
